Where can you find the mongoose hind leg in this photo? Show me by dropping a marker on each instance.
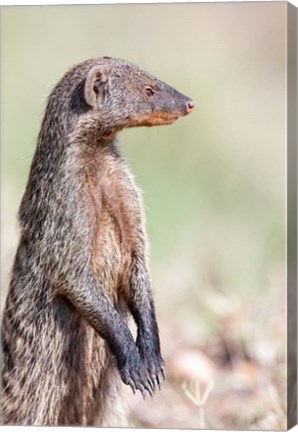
(106, 407)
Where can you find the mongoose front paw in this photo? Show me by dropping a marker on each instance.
(153, 363)
(133, 373)
(155, 368)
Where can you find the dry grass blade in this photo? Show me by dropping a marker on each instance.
(198, 400)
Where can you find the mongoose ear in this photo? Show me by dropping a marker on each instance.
(95, 85)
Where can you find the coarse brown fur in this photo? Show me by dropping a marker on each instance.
(81, 264)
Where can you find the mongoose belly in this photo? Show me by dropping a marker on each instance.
(108, 260)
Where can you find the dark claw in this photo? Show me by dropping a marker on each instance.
(142, 390)
(132, 385)
(149, 390)
(150, 379)
(163, 373)
(151, 384)
(158, 382)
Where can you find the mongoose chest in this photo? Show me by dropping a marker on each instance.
(118, 220)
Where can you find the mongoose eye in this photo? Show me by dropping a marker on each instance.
(149, 91)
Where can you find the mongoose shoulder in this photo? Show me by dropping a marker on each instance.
(81, 264)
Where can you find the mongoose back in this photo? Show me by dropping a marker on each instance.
(81, 266)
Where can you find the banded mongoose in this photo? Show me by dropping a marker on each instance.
(81, 265)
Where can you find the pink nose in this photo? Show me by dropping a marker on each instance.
(190, 106)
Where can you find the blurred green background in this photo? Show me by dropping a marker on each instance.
(214, 187)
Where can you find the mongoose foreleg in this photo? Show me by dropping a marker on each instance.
(141, 305)
(95, 306)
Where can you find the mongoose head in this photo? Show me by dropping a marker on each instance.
(116, 94)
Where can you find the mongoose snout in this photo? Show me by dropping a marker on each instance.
(167, 105)
(190, 105)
